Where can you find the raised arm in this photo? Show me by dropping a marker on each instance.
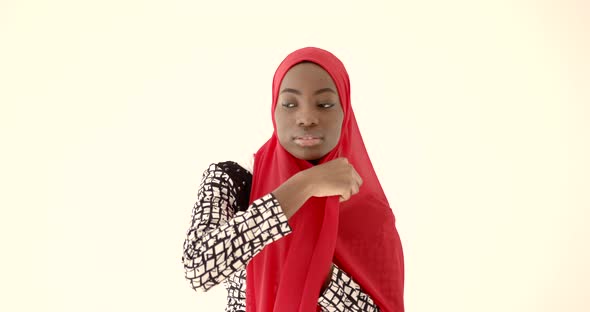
(221, 239)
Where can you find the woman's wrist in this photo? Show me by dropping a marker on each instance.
(304, 184)
(293, 193)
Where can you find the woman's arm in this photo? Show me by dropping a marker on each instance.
(221, 240)
(344, 294)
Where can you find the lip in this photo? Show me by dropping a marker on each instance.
(307, 137)
(307, 140)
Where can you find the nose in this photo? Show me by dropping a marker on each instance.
(306, 117)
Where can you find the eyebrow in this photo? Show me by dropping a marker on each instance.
(322, 90)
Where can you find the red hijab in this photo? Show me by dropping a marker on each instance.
(358, 235)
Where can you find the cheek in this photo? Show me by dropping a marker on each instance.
(280, 123)
(337, 124)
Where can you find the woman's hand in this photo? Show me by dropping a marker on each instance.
(336, 177)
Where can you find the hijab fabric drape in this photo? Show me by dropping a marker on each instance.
(358, 235)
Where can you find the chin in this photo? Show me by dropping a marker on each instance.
(311, 154)
(314, 158)
(305, 156)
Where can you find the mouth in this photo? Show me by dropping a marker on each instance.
(307, 140)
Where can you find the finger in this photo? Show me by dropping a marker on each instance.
(345, 196)
(355, 188)
(349, 195)
(357, 178)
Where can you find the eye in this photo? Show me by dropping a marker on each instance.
(288, 104)
(326, 105)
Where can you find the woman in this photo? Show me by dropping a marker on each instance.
(304, 225)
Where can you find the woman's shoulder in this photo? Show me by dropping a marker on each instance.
(238, 174)
(247, 163)
(242, 165)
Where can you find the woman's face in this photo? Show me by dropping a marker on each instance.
(308, 113)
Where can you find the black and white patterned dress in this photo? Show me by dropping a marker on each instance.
(225, 233)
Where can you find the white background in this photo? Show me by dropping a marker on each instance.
(475, 114)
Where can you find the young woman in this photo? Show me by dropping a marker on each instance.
(303, 224)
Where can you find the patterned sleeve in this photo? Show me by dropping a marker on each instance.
(221, 240)
(344, 294)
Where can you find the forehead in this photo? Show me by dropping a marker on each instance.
(307, 75)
